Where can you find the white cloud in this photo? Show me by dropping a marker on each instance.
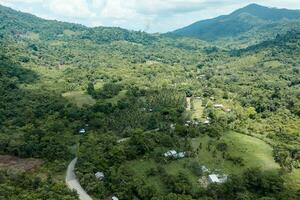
(150, 15)
(70, 8)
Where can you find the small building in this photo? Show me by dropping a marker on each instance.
(213, 178)
(219, 106)
(206, 121)
(114, 198)
(223, 178)
(174, 154)
(227, 110)
(180, 155)
(82, 131)
(100, 175)
(170, 153)
(172, 126)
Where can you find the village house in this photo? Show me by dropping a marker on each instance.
(219, 106)
(174, 154)
(215, 178)
(206, 121)
(114, 198)
(82, 131)
(100, 176)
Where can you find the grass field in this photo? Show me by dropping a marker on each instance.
(79, 98)
(197, 111)
(254, 152)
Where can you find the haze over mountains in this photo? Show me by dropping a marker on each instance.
(252, 18)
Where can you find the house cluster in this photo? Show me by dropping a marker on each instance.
(174, 154)
(214, 178)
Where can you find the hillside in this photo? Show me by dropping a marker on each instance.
(250, 19)
(137, 96)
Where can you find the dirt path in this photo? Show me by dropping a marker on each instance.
(73, 183)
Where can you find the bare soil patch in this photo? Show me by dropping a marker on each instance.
(19, 164)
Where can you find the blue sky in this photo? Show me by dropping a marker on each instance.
(146, 15)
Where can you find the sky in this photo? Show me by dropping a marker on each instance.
(144, 15)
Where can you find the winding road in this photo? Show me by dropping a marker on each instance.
(73, 183)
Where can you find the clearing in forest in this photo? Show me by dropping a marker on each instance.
(14, 163)
(252, 151)
(80, 98)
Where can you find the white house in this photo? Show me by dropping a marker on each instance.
(219, 106)
(114, 198)
(174, 154)
(82, 131)
(206, 121)
(180, 155)
(170, 153)
(100, 175)
(213, 178)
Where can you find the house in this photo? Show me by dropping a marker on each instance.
(180, 155)
(219, 106)
(206, 121)
(100, 175)
(174, 154)
(114, 198)
(172, 126)
(227, 110)
(82, 131)
(223, 178)
(170, 153)
(213, 178)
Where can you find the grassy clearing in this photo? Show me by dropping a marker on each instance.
(293, 179)
(197, 109)
(254, 152)
(80, 98)
(114, 100)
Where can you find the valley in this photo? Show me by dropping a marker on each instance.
(122, 102)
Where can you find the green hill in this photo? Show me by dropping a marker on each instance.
(248, 19)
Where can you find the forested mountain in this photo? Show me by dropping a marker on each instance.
(250, 19)
(229, 111)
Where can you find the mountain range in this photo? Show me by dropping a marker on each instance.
(252, 19)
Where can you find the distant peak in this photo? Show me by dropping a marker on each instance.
(253, 6)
